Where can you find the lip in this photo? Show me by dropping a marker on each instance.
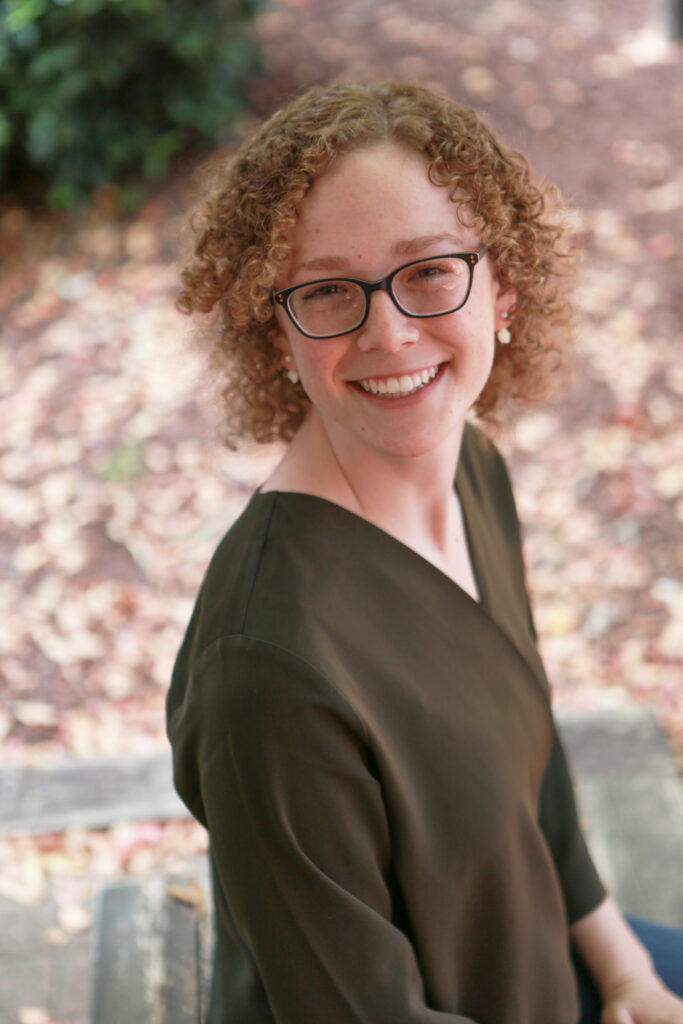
(397, 401)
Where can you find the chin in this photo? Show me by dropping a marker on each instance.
(410, 447)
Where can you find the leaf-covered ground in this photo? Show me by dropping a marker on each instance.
(114, 490)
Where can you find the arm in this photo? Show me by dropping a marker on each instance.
(301, 845)
(621, 966)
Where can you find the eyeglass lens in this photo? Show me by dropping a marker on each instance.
(426, 288)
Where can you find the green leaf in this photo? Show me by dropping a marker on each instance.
(123, 463)
(96, 91)
(23, 13)
(53, 61)
(160, 151)
(63, 196)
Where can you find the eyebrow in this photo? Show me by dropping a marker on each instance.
(407, 247)
(415, 245)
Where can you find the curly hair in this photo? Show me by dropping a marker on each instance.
(241, 242)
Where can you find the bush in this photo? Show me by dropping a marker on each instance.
(97, 91)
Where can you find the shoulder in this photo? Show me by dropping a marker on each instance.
(241, 559)
(260, 706)
(480, 446)
(256, 610)
(240, 677)
(483, 468)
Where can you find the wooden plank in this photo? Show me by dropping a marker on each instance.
(88, 794)
(182, 964)
(127, 954)
(147, 956)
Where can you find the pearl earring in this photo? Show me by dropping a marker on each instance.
(504, 336)
(292, 375)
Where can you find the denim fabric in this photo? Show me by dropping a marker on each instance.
(666, 949)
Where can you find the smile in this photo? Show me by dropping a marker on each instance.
(399, 387)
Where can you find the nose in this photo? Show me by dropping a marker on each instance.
(386, 326)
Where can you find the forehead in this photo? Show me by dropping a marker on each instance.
(371, 205)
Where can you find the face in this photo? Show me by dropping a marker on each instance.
(374, 211)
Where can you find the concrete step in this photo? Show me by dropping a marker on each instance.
(631, 798)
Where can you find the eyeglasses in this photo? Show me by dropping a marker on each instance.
(332, 306)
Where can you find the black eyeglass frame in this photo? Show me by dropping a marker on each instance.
(282, 298)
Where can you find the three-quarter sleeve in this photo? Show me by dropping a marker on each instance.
(581, 885)
(301, 845)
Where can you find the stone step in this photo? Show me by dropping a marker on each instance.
(631, 798)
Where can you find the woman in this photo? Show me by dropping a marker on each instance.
(358, 712)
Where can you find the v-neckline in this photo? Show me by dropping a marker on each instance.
(475, 555)
(498, 603)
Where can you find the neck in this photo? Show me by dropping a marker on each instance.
(410, 497)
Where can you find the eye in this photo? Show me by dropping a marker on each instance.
(432, 275)
(324, 292)
(428, 277)
(432, 270)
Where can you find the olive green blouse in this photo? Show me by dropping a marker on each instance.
(392, 827)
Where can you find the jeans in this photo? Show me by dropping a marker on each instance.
(666, 949)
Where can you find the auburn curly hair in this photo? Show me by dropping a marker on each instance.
(241, 241)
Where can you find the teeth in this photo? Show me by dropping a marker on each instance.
(398, 387)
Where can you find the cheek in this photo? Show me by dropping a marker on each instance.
(471, 331)
(316, 367)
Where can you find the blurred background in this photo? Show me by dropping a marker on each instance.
(114, 489)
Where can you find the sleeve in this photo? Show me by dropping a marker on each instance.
(301, 845)
(581, 885)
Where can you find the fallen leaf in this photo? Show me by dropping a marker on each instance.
(55, 936)
(479, 81)
(35, 1015)
(74, 919)
(23, 881)
(35, 713)
(188, 892)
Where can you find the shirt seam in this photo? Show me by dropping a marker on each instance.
(293, 656)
